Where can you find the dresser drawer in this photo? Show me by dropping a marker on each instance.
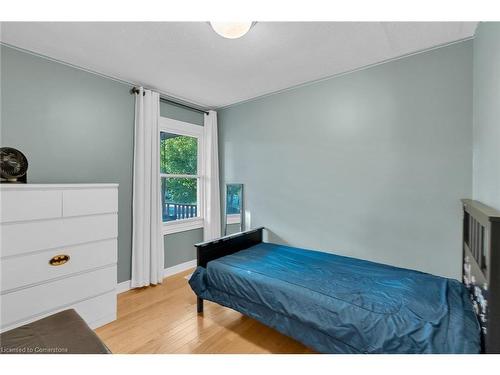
(18, 205)
(19, 238)
(28, 303)
(34, 268)
(89, 201)
(96, 311)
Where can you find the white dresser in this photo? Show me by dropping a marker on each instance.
(58, 251)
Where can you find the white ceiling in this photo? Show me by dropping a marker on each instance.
(188, 60)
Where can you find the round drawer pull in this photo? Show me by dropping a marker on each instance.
(59, 260)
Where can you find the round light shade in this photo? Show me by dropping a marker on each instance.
(231, 30)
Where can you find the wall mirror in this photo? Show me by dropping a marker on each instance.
(233, 218)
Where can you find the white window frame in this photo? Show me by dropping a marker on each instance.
(172, 126)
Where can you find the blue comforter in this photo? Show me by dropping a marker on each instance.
(336, 304)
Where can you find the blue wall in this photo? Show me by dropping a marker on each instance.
(486, 137)
(370, 164)
(75, 126)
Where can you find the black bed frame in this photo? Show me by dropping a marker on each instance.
(481, 264)
(481, 268)
(210, 250)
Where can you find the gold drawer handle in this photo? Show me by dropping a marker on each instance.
(59, 260)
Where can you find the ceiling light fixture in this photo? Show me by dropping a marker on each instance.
(231, 30)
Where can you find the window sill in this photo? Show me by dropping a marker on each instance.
(182, 225)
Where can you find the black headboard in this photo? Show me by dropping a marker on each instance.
(214, 249)
(481, 268)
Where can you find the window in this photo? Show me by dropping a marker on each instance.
(180, 172)
(179, 176)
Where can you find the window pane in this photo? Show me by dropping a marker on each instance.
(179, 198)
(178, 154)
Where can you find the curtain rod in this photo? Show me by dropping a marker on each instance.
(135, 90)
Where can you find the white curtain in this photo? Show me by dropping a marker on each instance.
(212, 214)
(147, 238)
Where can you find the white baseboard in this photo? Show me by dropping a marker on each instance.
(170, 271)
(179, 268)
(123, 287)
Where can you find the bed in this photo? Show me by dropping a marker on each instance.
(336, 304)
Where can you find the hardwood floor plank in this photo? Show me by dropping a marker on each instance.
(163, 319)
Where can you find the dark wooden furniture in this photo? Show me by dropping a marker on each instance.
(481, 268)
(210, 250)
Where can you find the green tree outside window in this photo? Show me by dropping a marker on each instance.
(179, 155)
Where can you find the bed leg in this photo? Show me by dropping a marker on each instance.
(199, 305)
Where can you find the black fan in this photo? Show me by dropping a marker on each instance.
(13, 165)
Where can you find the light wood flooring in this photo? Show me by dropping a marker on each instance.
(163, 319)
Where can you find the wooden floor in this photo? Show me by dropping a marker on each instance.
(163, 319)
